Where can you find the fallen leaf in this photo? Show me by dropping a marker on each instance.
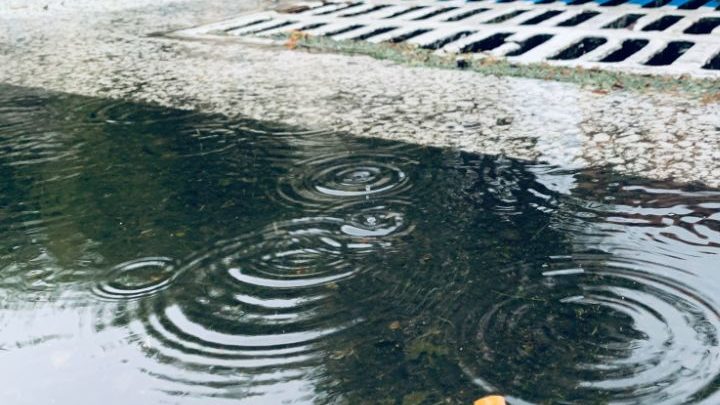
(490, 400)
(294, 38)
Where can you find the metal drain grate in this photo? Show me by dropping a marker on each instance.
(642, 36)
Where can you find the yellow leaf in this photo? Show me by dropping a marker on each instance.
(490, 400)
(294, 38)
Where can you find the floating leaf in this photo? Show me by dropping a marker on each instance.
(490, 400)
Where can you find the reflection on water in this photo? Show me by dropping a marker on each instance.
(158, 256)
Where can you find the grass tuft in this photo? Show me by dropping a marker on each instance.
(599, 81)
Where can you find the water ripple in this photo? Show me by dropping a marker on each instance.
(261, 303)
(629, 317)
(138, 278)
(116, 112)
(597, 327)
(303, 252)
(376, 220)
(327, 180)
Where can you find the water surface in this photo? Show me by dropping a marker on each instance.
(150, 255)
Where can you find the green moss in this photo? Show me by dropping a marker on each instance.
(595, 79)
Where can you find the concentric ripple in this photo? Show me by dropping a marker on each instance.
(117, 112)
(304, 252)
(329, 180)
(383, 222)
(262, 303)
(138, 278)
(597, 328)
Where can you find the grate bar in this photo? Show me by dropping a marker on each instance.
(600, 21)
(353, 33)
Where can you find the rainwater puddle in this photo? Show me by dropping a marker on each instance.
(150, 255)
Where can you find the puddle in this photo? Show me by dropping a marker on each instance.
(161, 256)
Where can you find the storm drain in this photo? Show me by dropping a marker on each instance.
(643, 36)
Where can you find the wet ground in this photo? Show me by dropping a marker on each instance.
(104, 49)
(153, 255)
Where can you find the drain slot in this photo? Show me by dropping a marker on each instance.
(670, 54)
(363, 12)
(250, 24)
(505, 17)
(374, 33)
(656, 3)
(542, 17)
(628, 48)
(340, 9)
(408, 35)
(312, 26)
(407, 11)
(344, 30)
(704, 26)
(580, 48)
(465, 15)
(611, 3)
(434, 13)
(452, 38)
(272, 27)
(578, 19)
(662, 23)
(693, 4)
(626, 21)
(714, 63)
(486, 44)
(529, 44)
